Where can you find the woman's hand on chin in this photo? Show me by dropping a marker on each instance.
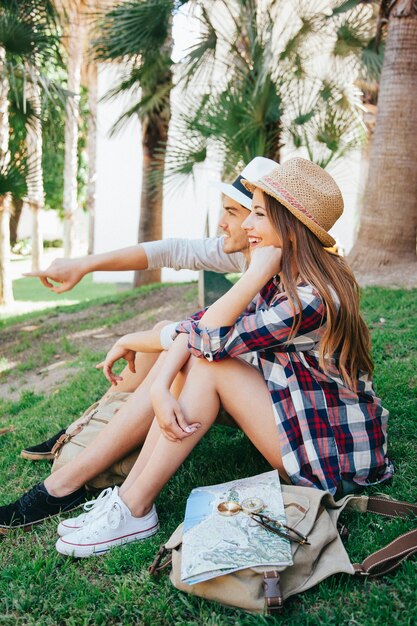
(169, 415)
(265, 262)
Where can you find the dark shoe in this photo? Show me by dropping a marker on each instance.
(35, 506)
(42, 451)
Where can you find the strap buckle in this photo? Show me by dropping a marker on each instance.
(60, 443)
(359, 571)
(274, 601)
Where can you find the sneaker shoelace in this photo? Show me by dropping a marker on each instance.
(98, 502)
(30, 499)
(105, 518)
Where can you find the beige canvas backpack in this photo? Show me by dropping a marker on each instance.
(313, 513)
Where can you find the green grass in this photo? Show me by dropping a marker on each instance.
(90, 297)
(31, 294)
(40, 587)
(32, 289)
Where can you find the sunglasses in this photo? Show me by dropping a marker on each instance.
(277, 527)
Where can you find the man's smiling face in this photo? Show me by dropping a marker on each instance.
(235, 238)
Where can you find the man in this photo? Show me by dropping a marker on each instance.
(219, 254)
(64, 490)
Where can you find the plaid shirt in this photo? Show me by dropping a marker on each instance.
(326, 431)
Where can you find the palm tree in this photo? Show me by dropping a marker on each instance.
(261, 92)
(26, 40)
(73, 15)
(35, 193)
(16, 177)
(13, 179)
(355, 43)
(387, 232)
(92, 147)
(139, 33)
(6, 292)
(38, 22)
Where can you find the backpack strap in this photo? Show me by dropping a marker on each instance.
(389, 558)
(390, 508)
(162, 560)
(64, 439)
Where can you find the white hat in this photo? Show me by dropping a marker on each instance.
(255, 169)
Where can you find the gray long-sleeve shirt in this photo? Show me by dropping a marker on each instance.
(194, 254)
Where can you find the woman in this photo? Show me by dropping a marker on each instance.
(317, 419)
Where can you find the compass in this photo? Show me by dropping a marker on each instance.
(248, 506)
(252, 505)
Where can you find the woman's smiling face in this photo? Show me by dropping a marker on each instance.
(258, 226)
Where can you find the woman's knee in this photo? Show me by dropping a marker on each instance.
(160, 325)
(214, 373)
(199, 364)
(219, 369)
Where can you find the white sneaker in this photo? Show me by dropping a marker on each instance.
(92, 508)
(112, 526)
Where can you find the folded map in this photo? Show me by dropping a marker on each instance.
(215, 545)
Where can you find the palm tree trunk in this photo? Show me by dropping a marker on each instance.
(17, 207)
(154, 134)
(92, 156)
(154, 138)
(388, 227)
(75, 50)
(6, 291)
(35, 188)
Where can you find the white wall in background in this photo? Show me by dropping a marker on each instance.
(119, 163)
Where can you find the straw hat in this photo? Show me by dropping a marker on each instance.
(306, 190)
(254, 170)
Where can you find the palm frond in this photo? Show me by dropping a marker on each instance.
(150, 105)
(372, 59)
(200, 61)
(331, 125)
(29, 31)
(308, 26)
(244, 120)
(346, 5)
(21, 112)
(13, 178)
(133, 29)
(147, 87)
(180, 162)
(51, 88)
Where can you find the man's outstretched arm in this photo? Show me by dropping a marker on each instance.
(193, 254)
(68, 272)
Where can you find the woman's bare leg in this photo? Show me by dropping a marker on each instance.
(126, 431)
(251, 407)
(154, 432)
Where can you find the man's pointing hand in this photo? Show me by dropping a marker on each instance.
(66, 272)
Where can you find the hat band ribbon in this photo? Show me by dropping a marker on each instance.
(237, 184)
(290, 198)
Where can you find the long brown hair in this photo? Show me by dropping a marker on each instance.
(303, 256)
